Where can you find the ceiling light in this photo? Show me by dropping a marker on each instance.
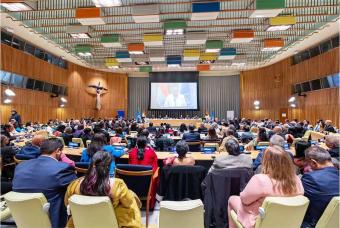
(9, 92)
(136, 52)
(63, 99)
(213, 50)
(20, 6)
(62, 105)
(293, 105)
(291, 99)
(173, 32)
(113, 67)
(84, 54)
(278, 28)
(174, 65)
(257, 107)
(80, 35)
(238, 64)
(257, 103)
(107, 3)
(7, 101)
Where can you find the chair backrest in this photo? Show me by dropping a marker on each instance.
(79, 141)
(282, 212)
(188, 214)
(136, 177)
(82, 167)
(306, 136)
(61, 140)
(181, 182)
(18, 158)
(316, 135)
(330, 217)
(92, 211)
(29, 209)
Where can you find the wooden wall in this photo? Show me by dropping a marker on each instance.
(271, 85)
(39, 106)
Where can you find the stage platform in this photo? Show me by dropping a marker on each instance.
(174, 122)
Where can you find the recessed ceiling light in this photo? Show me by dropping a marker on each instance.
(84, 54)
(278, 28)
(257, 103)
(9, 92)
(80, 35)
(113, 67)
(63, 99)
(271, 49)
(293, 105)
(212, 50)
(107, 3)
(173, 32)
(136, 52)
(174, 65)
(7, 101)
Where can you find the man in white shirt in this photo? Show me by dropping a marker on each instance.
(175, 99)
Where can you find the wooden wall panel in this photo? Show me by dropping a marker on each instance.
(272, 86)
(39, 106)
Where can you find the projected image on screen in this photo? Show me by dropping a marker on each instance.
(173, 95)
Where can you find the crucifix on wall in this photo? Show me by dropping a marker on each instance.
(99, 92)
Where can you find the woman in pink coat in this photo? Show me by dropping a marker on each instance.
(278, 178)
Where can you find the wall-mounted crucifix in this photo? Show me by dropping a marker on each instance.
(99, 92)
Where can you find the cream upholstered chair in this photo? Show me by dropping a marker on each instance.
(5, 213)
(79, 141)
(188, 214)
(29, 210)
(317, 135)
(279, 212)
(330, 217)
(92, 211)
(306, 136)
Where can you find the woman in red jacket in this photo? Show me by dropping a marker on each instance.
(143, 154)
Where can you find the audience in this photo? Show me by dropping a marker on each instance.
(321, 185)
(229, 134)
(211, 134)
(234, 158)
(299, 157)
(97, 182)
(151, 128)
(261, 137)
(99, 143)
(246, 135)
(47, 175)
(329, 127)
(67, 135)
(183, 128)
(143, 154)
(87, 135)
(202, 129)
(277, 178)
(182, 149)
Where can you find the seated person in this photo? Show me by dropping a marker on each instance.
(183, 128)
(299, 157)
(47, 175)
(246, 136)
(99, 143)
(202, 129)
(6, 131)
(192, 136)
(182, 149)
(321, 185)
(143, 154)
(97, 182)
(261, 137)
(151, 128)
(67, 135)
(33, 149)
(118, 137)
(229, 134)
(87, 135)
(332, 142)
(212, 135)
(7, 153)
(80, 130)
(329, 127)
(278, 178)
(234, 158)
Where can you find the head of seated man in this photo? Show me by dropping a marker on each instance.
(191, 127)
(232, 146)
(277, 140)
(333, 143)
(37, 140)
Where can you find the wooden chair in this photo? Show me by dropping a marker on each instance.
(139, 179)
(79, 141)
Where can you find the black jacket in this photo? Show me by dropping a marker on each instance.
(217, 187)
(181, 182)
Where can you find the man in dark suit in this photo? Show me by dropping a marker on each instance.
(320, 185)
(151, 128)
(47, 175)
(328, 126)
(192, 136)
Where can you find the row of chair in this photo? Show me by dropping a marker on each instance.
(96, 211)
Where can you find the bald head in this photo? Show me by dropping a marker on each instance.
(332, 141)
(38, 140)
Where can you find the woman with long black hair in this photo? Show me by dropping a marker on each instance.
(97, 182)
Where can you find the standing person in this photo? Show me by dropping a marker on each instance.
(47, 175)
(278, 178)
(321, 185)
(97, 182)
(15, 116)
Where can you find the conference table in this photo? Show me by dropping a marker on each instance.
(174, 122)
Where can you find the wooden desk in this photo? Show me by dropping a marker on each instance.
(175, 122)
